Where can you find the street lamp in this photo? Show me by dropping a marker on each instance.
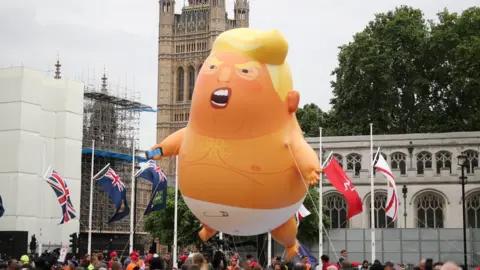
(462, 162)
(404, 191)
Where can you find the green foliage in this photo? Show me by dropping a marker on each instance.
(160, 223)
(308, 229)
(405, 75)
(311, 118)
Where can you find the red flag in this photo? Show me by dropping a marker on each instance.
(339, 179)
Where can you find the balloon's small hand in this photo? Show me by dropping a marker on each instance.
(314, 177)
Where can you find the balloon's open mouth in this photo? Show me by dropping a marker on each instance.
(220, 97)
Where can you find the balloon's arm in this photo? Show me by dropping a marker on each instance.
(305, 158)
(168, 147)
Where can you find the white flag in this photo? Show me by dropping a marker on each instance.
(392, 198)
(301, 214)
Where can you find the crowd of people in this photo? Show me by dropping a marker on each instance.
(197, 261)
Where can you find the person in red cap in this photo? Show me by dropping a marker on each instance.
(135, 261)
(233, 264)
(113, 258)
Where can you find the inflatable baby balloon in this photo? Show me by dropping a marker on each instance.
(243, 164)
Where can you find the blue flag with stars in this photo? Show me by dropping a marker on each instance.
(153, 174)
(117, 192)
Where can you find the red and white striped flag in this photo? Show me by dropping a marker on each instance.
(301, 214)
(392, 198)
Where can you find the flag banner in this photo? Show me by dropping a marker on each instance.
(2, 210)
(153, 174)
(63, 195)
(391, 207)
(301, 214)
(340, 180)
(303, 251)
(115, 188)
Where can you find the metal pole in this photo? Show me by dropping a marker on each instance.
(464, 219)
(175, 216)
(90, 212)
(372, 195)
(404, 206)
(269, 248)
(320, 203)
(132, 213)
(135, 210)
(40, 247)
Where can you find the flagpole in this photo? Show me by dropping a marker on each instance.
(90, 212)
(132, 199)
(320, 205)
(372, 195)
(40, 245)
(175, 215)
(269, 253)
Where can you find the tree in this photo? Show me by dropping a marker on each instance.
(160, 223)
(308, 229)
(406, 75)
(311, 118)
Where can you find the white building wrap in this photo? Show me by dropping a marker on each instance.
(37, 113)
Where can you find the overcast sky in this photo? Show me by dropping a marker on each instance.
(122, 35)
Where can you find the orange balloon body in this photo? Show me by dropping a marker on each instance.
(244, 165)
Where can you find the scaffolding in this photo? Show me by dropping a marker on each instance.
(111, 118)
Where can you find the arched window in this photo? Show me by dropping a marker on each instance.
(376, 159)
(180, 84)
(444, 161)
(354, 163)
(191, 82)
(398, 162)
(424, 161)
(430, 210)
(168, 7)
(472, 160)
(335, 207)
(339, 159)
(472, 204)
(380, 215)
(164, 7)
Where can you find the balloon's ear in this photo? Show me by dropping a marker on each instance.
(293, 99)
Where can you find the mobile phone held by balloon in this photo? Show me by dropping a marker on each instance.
(155, 152)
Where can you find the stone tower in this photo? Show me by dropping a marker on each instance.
(185, 41)
(242, 10)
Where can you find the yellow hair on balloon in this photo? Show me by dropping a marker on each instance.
(267, 47)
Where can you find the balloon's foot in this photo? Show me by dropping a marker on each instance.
(206, 233)
(292, 252)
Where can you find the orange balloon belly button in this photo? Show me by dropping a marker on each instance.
(237, 220)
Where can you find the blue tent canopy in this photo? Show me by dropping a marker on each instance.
(108, 154)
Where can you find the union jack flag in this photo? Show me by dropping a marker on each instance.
(116, 182)
(63, 195)
(161, 175)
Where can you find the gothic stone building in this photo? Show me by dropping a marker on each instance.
(185, 41)
(426, 164)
